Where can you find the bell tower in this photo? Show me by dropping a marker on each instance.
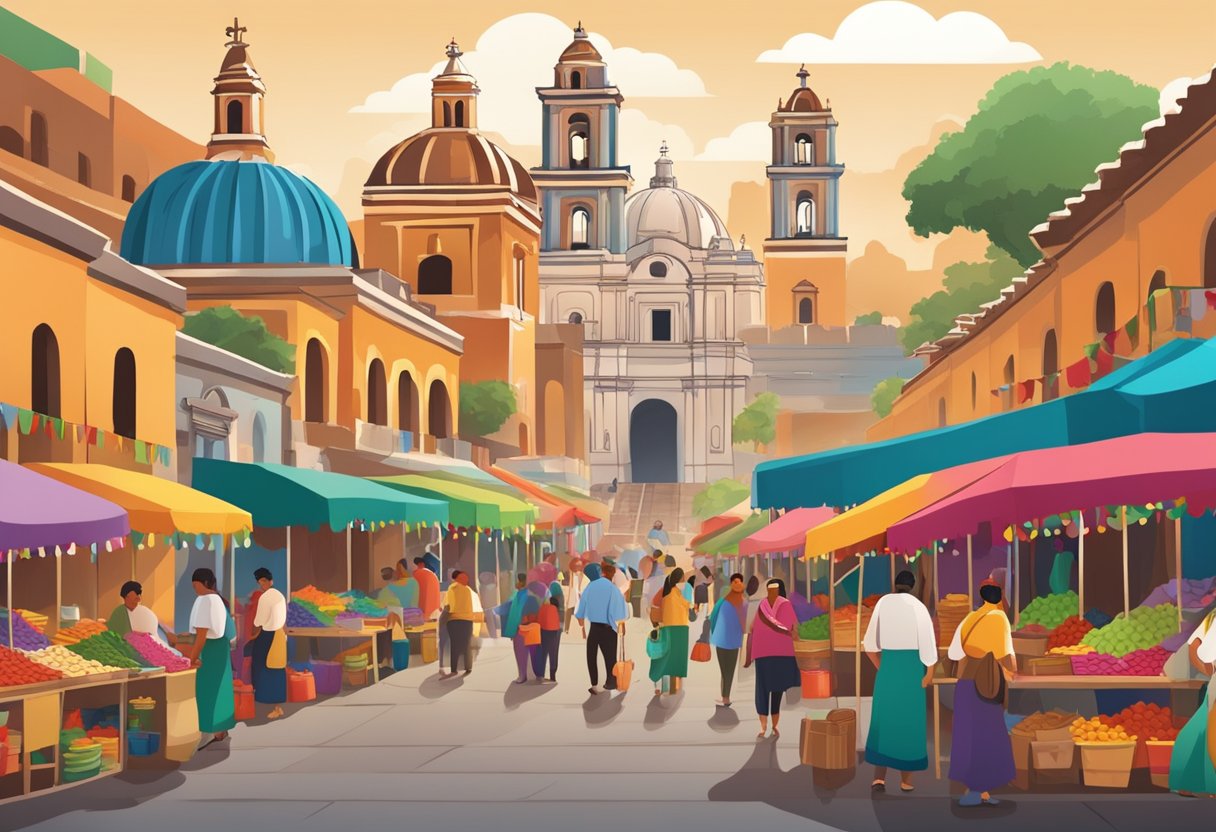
(240, 104)
(454, 94)
(804, 255)
(582, 187)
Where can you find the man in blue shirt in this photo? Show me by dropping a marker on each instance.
(603, 604)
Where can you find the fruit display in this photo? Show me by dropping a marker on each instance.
(1043, 721)
(109, 648)
(1099, 729)
(25, 636)
(1150, 662)
(1050, 611)
(36, 619)
(17, 669)
(1069, 633)
(1144, 627)
(814, 630)
(299, 616)
(84, 629)
(1071, 650)
(70, 664)
(1147, 721)
(367, 608)
(157, 654)
(821, 600)
(326, 602)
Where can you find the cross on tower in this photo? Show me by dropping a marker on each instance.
(663, 148)
(802, 76)
(235, 31)
(454, 49)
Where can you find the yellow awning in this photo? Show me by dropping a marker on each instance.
(154, 505)
(869, 519)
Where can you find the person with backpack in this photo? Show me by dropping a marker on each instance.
(981, 755)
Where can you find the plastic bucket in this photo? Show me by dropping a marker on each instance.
(328, 677)
(1107, 765)
(301, 686)
(142, 743)
(816, 684)
(401, 654)
(244, 706)
(355, 678)
(1159, 754)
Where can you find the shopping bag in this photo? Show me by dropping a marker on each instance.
(656, 645)
(622, 671)
(530, 633)
(700, 652)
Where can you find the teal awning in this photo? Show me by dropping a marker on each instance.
(279, 495)
(1170, 390)
(470, 505)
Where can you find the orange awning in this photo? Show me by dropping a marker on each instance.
(555, 512)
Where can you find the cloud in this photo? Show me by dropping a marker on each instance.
(895, 32)
(640, 138)
(1173, 91)
(751, 141)
(516, 55)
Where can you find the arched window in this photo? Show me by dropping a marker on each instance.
(236, 117)
(1051, 364)
(377, 393)
(520, 273)
(1104, 309)
(941, 413)
(84, 170)
(435, 276)
(439, 419)
(128, 189)
(524, 445)
(11, 141)
(316, 374)
(575, 318)
(580, 228)
(804, 150)
(407, 403)
(1209, 258)
(44, 376)
(576, 80)
(805, 214)
(580, 142)
(806, 311)
(658, 269)
(1158, 282)
(40, 147)
(974, 390)
(124, 393)
(447, 114)
(460, 114)
(259, 438)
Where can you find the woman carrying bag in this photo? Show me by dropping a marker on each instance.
(1193, 763)
(672, 633)
(770, 645)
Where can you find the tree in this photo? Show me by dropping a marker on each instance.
(246, 336)
(965, 287)
(718, 497)
(868, 319)
(757, 423)
(884, 395)
(1036, 139)
(485, 406)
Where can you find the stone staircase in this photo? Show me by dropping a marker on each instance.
(636, 506)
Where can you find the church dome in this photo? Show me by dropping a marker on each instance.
(443, 157)
(803, 99)
(664, 211)
(235, 212)
(581, 49)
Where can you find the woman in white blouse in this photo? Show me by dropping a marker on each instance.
(213, 629)
(1191, 765)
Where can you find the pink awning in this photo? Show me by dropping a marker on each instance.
(787, 533)
(1129, 470)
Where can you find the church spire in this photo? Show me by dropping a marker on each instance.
(454, 93)
(664, 169)
(239, 94)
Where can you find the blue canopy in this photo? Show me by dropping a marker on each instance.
(1170, 390)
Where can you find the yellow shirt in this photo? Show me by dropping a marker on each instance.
(674, 609)
(460, 603)
(991, 634)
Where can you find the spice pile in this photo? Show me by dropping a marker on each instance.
(84, 629)
(156, 654)
(17, 669)
(1069, 633)
(109, 648)
(71, 665)
(25, 635)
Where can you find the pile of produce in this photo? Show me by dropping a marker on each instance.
(71, 665)
(349, 615)
(1044, 721)
(1145, 627)
(1150, 662)
(1070, 632)
(25, 637)
(326, 602)
(109, 648)
(1071, 650)
(17, 669)
(36, 619)
(814, 630)
(1099, 729)
(1147, 721)
(821, 600)
(156, 654)
(1050, 611)
(367, 608)
(300, 616)
(1032, 630)
(80, 632)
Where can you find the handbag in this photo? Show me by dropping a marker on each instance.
(700, 652)
(656, 647)
(985, 672)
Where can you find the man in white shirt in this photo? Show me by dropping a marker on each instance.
(269, 663)
(903, 647)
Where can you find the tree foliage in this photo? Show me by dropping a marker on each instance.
(868, 319)
(485, 406)
(246, 336)
(718, 497)
(884, 395)
(1036, 139)
(757, 423)
(966, 286)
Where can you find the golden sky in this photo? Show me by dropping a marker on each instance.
(322, 59)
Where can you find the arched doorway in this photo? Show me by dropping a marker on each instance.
(653, 437)
(439, 411)
(44, 372)
(1209, 258)
(554, 420)
(124, 407)
(315, 373)
(377, 393)
(435, 276)
(407, 409)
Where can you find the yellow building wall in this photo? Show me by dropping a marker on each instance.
(782, 273)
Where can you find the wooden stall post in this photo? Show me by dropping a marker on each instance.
(8, 560)
(348, 566)
(1178, 566)
(1081, 563)
(1017, 582)
(232, 571)
(289, 561)
(861, 578)
(936, 588)
(1126, 598)
(970, 576)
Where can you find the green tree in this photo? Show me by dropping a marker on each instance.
(757, 423)
(1036, 139)
(966, 286)
(246, 336)
(868, 319)
(884, 395)
(718, 497)
(485, 406)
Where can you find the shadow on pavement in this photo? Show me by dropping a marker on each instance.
(517, 694)
(661, 709)
(435, 688)
(725, 719)
(602, 709)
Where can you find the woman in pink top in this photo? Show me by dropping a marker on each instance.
(771, 646)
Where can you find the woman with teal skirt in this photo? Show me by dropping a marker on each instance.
(900, 642)
(672, 621)
(1191, 766)
(213, 628)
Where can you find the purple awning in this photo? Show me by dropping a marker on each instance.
(37, 511)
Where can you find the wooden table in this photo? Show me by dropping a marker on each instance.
(1021, 682)
(369, 633)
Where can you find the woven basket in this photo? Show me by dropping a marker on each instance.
(809, 653)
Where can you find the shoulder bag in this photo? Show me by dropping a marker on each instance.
(985, 672)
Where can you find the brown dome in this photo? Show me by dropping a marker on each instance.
(581, 48)
(803, 100)
(451, 157)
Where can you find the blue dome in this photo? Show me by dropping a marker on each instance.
(235, 212)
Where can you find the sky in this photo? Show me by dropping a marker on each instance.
(348, 81)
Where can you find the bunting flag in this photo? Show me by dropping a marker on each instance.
(28, 422)
(1078, 374)
(1210, 298)
(1025, 391)
(1051, 385)
(1132, 328)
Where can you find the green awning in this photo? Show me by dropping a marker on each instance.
(468, 505)
(726, 542)
(279, 495)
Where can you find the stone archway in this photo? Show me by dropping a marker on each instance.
(653, 438)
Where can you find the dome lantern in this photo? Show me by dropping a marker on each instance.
(454, 93)
(664, 170)
(239, 94)
(581, 66)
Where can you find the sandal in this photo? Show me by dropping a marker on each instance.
(906, 787)
(878, 786)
